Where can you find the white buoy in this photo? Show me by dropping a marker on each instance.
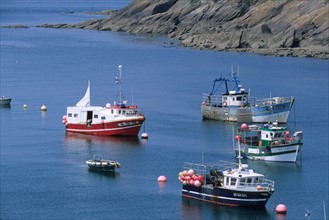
(43, 108)
(24, 106)
(162, 179)
(145, 136)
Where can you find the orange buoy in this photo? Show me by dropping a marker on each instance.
(281, 209)
(162, 179)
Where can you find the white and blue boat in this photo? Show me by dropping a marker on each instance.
(236, 105)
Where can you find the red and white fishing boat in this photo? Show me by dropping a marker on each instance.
(119, 119)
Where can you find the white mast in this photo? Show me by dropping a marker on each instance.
(118, 82)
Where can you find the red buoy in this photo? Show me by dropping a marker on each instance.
(244, 126)
(162, 179)
(281, 209)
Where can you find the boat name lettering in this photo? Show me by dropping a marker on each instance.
(127, 123)
(240, 195)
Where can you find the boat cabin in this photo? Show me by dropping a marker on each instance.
(238, 98)
(271, 134)
(242, 179)
(98, 114)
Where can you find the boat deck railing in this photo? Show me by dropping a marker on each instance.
(265, 185)
(212, 100)
(216, 100)
(273, 100)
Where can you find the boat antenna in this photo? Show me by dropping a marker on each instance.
(294, 103)
(118, 82)
(271, 101)
(132, 96)
(238, 71)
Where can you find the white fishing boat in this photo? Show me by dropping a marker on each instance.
(119, 119)
(269, 142)
(236, 104)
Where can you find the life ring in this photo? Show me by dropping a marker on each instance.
(224, 103)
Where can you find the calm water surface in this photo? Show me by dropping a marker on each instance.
(43, 170)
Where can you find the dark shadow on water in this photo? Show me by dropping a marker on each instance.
(193, 209)
(5, 106)
(102, 173)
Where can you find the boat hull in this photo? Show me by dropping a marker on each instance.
(102, 169)
(115, 128)
(228, 197)
(257, 114)
(283, 153)
(5, 101)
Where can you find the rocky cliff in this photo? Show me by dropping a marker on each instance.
(274, 27)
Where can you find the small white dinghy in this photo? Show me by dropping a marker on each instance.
(99, 164)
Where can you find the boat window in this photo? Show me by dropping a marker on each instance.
(69, 114)
(239, 98)
(258, 180)
(75, 115)
(242, 181)
(119, 111)
(271, 134)
(233, 180)
(249, 180)
(233, 98)
(225, 98)
(95, 116)
(103, 117)
(111, 111)
(123, 112)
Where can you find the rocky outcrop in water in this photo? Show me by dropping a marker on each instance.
(274, 27)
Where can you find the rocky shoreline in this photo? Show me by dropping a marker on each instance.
(298, 28)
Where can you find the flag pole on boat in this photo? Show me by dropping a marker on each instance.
(118, 82)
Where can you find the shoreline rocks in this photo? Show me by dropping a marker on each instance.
(297, 28)
(281, 28)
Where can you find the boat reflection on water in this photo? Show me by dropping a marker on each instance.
(5, 106)
(72, 140)
(193, 209)
(106, 174)
(275, 168)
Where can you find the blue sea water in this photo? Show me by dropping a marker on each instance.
(43, 170)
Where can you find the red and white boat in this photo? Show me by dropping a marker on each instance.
(119, 119)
